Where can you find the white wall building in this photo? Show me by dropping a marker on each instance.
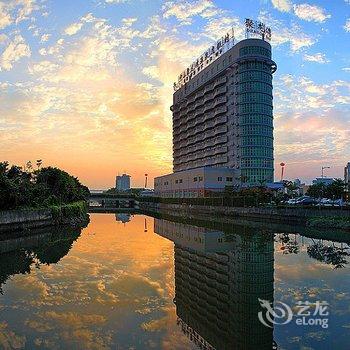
(196, 182)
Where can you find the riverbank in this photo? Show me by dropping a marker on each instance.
(314, 217)
(73, 214)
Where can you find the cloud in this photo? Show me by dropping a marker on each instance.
(73, 28)
(16, 49)
(185, 10)
(311, 124)
(115, 1)
(317, 57)
(311, 13)
(129, 21)
(5, 16)
(151, 71)
(3, 38)
(284, 34)
(16, 11)
(347, 25)
(346, 69)
(45, 37)
(9, 339)
(43, 67)
(282, 5)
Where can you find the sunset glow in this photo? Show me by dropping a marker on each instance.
(87, 85)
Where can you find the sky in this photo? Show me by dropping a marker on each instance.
(86, 85)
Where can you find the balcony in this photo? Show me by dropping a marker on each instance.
(220, 90)
(209, 88)
(208, 106)
(208, 97)
(220, 81)
(220, 101)
(220, 110)
(198, 112)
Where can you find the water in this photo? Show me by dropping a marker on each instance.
(142, 283)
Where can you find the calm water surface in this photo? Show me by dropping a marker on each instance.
(142, 283)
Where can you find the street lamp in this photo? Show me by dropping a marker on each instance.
(324, 167)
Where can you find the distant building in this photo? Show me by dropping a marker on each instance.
(304, 188)
(222, 120)
(122, 182)
(147, 193)
(123, 217)
(297, 182)
(323, 180)
(301, 187)
(347, 178)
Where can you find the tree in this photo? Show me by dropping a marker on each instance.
(334, 190)
(316, 190)
(61, 185)
(41, 188)
(39, 163)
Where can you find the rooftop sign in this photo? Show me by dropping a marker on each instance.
(256, 27)
(210, 55)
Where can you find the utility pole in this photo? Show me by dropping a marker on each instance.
(282, 170)
(324, 167)
(146, 180)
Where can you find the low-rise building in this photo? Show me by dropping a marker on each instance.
(198, 182)
(323, 180)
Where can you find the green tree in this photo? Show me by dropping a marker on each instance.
(316, 190)
(335, 190)
(43, 187)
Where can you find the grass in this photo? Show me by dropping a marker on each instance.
(330, 222)
(67, 211)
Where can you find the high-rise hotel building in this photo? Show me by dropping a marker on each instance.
(222, 122)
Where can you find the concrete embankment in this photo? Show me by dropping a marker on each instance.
(285, 215)
(23, 219)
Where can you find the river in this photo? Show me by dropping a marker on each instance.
(135, 282)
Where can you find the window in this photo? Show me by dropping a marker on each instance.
(195, 179)
(200, 178)
(254, 50)
(176, 181)
(180, 181)
(229, 179)
(219, 178)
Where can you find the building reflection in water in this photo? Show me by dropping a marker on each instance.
(218, 280)
(123, 217)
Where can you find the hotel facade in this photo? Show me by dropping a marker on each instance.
(223, 123)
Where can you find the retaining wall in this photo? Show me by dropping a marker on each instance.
(22, 219)
(287, 215)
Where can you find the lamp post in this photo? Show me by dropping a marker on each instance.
(324, 167)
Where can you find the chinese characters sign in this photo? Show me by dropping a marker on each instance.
(256, 27)
(210, 55)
